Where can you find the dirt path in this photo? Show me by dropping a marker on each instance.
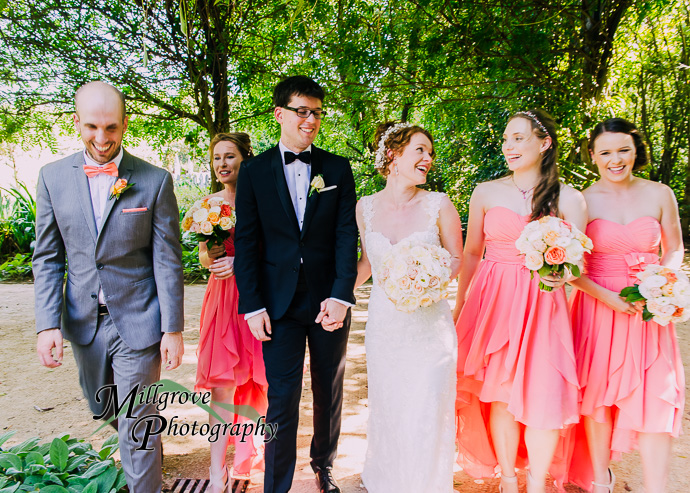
(35, 401)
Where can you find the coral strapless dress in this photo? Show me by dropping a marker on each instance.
(515, 345)
(229, 355)
(631, 366)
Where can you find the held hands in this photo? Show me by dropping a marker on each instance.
(172, 349)
(331, 315)
(260, 326)
(47, 340)
(222, 267)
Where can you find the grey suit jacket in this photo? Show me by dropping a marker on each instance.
(136, 257)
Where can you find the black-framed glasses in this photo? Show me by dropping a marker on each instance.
(305, 112)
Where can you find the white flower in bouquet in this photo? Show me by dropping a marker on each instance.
(414, 276)
(666, 293)
(550, 246)
(210, 220)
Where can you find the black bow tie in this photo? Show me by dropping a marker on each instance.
(304, 156)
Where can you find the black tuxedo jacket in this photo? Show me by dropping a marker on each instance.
(269, 244)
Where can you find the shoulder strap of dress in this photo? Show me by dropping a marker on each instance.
(433, 207)
(368, 211)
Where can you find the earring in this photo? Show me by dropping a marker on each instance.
(397, 172)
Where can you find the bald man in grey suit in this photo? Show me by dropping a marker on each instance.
(121, 307)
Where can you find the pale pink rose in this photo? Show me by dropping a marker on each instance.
(200, 215)
(194, 228)
(225, 223)
(417, 288)
(550, 238)
(534, 261)
(426, 300)
(412, 272)
(404, 282)
(539, 245)
(206, 228)
(434, 281)
(555, 255)
(410, 260)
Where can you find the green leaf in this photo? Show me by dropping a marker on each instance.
(53, 488)
(111, 440)
(9, 460)
(11, 488)
(575, 270)
(107, 479)
(76, 461)
(6, 436)
(25, 446)
(121, 480)
(96, 469)
(33, 458)
(647, 315)
(58, 454)
(92, 487)
(50, 477)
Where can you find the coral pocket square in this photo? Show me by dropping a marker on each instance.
(137, 209)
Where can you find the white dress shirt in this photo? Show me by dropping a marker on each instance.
(297, 175)
(99, 187)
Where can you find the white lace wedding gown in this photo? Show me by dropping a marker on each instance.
(411, 368)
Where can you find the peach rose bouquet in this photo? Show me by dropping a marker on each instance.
(415, 275)
(550, 246)
(666, 293)
(210, 219)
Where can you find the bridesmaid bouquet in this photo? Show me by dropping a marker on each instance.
(666, 293)
(414, 275)
(210, 219)
(551, 245)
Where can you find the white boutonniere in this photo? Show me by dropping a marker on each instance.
(317, 185)
(120, 186)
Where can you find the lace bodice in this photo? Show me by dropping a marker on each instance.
(377, 244)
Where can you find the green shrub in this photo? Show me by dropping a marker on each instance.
(193, 270)
(65, 465)
(17, 221)
(17, 268)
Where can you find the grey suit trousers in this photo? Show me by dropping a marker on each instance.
(107, 360)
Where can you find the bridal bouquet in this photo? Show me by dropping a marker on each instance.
(414, 275)
(666, 293)
(210, 219)
(550, 245)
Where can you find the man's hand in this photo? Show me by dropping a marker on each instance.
(331, 315)
(260, 325)
(172, 349)
(47, 340)
(222, 268)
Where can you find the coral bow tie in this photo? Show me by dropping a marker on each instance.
(108, 169)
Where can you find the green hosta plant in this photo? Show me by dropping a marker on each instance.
(65, 465)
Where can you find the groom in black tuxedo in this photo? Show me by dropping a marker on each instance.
(296, 247)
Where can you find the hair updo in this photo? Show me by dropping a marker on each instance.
(396, 142)
(622, 126)
(240, 139)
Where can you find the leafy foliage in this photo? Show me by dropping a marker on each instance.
(64, 465)
(17, 221)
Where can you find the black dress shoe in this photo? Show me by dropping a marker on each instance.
(326, 481)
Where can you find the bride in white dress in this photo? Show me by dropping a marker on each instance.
(411, 357)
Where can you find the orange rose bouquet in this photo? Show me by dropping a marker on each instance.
(550, 246)
(210, 220)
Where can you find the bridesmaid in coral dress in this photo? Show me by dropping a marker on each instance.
(230, 358)
(517, 382)
(630, 370)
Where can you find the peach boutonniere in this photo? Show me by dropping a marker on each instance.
(120, 186)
